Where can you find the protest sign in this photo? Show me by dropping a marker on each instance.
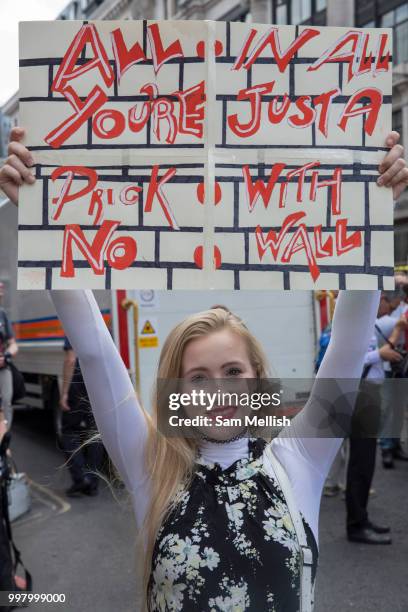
(205, 155)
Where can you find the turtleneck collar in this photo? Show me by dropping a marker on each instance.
(224, 454)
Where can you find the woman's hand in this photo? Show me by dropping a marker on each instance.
(393, 168)
(16, 170)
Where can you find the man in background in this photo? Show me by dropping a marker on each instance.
(365, 426)
(6, 565)
(393, 391)
(8, 350)
(78, 426)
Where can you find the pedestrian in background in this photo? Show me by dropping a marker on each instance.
(78, 425)
(365, 427)
(394, 398)
(6, 564)
(8, 350)
(335, 479)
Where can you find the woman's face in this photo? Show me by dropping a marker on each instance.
(215, 362)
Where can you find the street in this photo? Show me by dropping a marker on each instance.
(85, 548)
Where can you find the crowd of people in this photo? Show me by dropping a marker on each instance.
(379, 416)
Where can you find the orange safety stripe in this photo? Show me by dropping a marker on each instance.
(44, 329)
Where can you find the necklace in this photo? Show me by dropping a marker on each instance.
(215, 441)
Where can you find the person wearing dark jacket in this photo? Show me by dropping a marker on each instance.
(78, 425)
(6, 564)
(8, 350)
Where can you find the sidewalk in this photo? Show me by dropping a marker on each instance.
(88, 550)
(362, 577)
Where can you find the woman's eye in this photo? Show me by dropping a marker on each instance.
(197, 377)
(234, 371)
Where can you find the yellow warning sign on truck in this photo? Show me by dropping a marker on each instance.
(149, 342)
(148, 337)
(148, 328)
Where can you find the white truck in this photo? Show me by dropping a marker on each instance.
(287, 323)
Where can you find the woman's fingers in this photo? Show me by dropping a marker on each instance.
(10, 180)
(18, 149)
(401, 182)
(26, 174)
(11, 175)
(399, 177)
(392, 138)
(396, 152)
(397, 165)
(20, 157)
(16, 170)
(16, 134)
(393, 168)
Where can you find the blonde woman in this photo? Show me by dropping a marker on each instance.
(228, 523)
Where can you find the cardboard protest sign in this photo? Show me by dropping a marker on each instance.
(205, 155)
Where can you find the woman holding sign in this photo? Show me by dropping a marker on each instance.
(228, 522)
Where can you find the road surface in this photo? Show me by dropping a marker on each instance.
(85, 548)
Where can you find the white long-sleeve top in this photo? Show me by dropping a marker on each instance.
(305, 456)
(373, 359)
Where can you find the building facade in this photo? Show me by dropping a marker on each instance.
(361, 13)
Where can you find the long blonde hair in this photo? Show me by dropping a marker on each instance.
(170, 460)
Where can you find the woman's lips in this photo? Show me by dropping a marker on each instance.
(225, 412)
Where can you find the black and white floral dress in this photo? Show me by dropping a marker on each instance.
(229, 545)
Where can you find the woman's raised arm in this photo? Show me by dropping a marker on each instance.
(117, 412)
(313, 431)
(114, 403)
(309, 445)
